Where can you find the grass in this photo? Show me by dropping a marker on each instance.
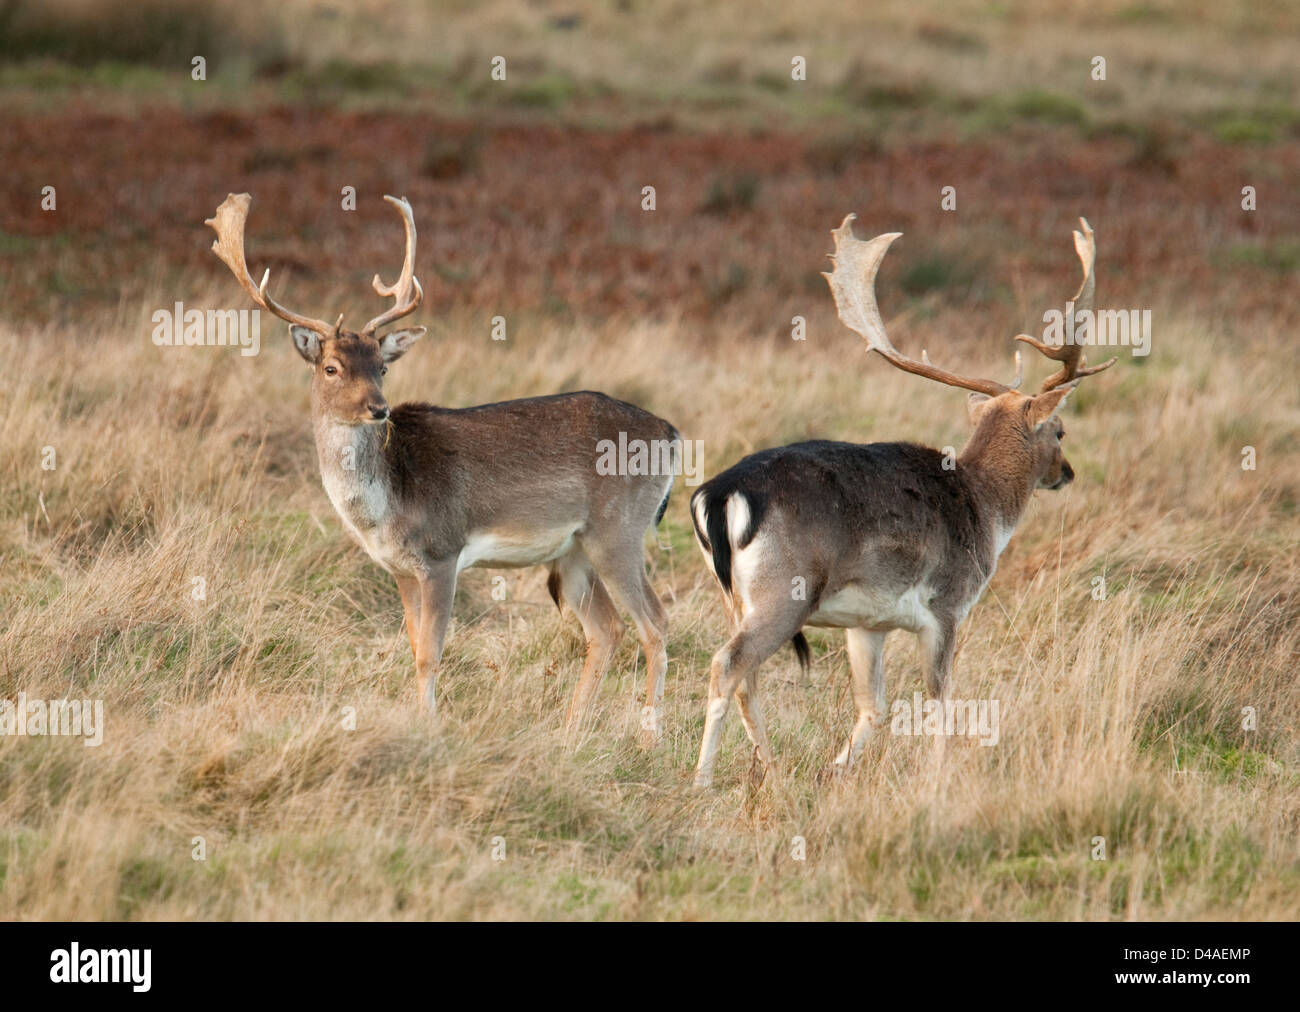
(263, 756)
(970, 68)
(227, 716)
(1281, 257)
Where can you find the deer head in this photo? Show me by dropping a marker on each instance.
(347, 366)
(1015, 434)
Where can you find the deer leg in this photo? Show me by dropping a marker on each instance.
(622, 567)
(751, 715)
(652, 628)
(758, 638)
(409, 588)
(867, 664)
(437, 586)
(939, 641)
(582, 590)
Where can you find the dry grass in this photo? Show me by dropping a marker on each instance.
(225, 717)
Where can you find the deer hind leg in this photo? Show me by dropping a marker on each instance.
(751, 715)
(652, 627)
(867, 664)
(582, 590)
(437, 589)
(622, 567)
(760, 634)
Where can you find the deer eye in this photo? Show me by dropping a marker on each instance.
(1060, 436)
(383, 370)
(331, 371)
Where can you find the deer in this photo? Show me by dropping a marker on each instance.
(875, 537)
(430, 491)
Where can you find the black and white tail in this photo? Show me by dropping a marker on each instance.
(712, 531)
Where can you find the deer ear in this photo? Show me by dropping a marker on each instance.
(307, 342)
(395, 344)
(1044, 406)
(975, 405)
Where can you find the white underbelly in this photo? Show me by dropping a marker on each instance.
(496, 549)
(853, 606)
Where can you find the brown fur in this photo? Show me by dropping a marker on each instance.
(428, 491)
(877, 537)
(512, 472)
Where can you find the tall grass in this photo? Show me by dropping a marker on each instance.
(228, 717)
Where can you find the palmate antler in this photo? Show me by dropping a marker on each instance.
(229, 223)
(1071, 355)
(853, 285)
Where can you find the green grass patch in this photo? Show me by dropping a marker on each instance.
(1048, 107)
(1281, 257)
(937, 271)
(730, 195)
(159, 33)
(143, 881)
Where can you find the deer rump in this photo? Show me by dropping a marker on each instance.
(839, 496)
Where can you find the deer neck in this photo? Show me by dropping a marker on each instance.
(354, 472)
(1004, 479)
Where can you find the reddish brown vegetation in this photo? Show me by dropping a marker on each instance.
(549, 217)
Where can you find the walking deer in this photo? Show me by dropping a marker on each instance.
(429, 491)
(880, 536)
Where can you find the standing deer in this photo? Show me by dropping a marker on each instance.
(883, 536)
(429, 491)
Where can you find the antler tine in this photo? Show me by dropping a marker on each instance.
(228, 223)
(1070, 355)
(405, 291)
(853, 286)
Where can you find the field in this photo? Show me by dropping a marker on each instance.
(166, 545)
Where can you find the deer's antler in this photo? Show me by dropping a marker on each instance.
(1071, 356)
(853, 285)
(405, 291)
(229, 223)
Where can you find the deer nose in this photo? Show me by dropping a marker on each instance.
(1067, 472)
(378, 411)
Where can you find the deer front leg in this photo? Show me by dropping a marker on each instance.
(409, 588)
(437, 587)
(867, 664)
(939, 641)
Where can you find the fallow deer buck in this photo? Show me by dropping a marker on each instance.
(883, 536)
(428, 491)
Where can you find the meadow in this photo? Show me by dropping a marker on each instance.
(181, 562)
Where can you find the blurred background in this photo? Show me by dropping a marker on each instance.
(528, 189)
